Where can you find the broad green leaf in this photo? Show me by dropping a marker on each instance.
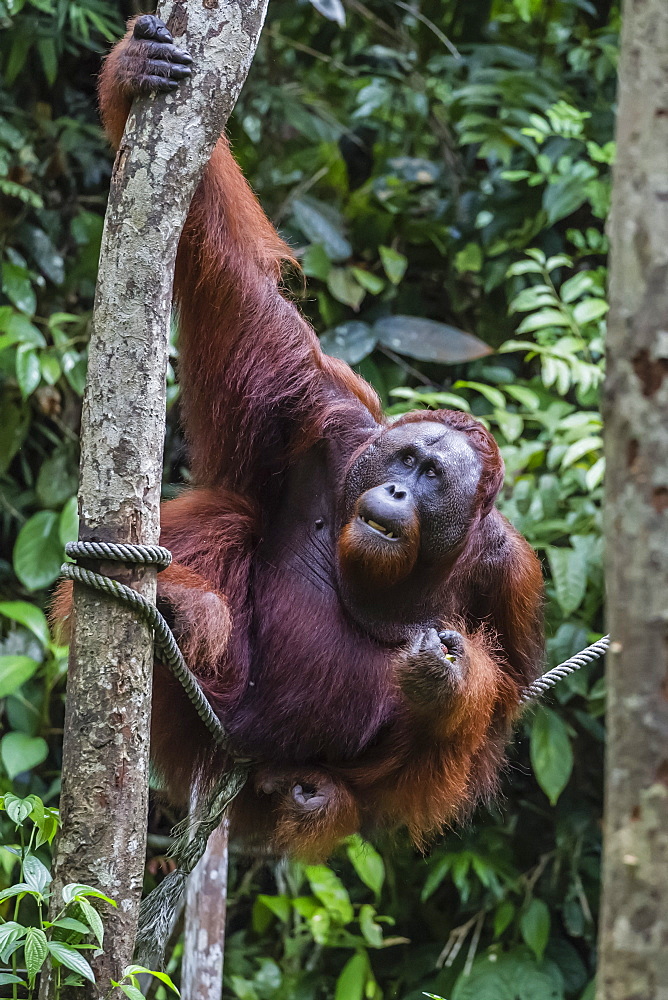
(436, 876)
(428, 340)
(18, 889)
(71, 959)
(131, 991)
(28, 372)
(367, 862)
(350, 342)
(21, 753)
(580, 448)
(18, 288)
(542, 319)
(589, 310)
(70, 924)
(18, 809)
(38, 553)
(535, 926)
(330, 891)
(7, 978)
(321, 226)
(569, 575)
(371, 930)
(92, 918)
(315, 262)
(136, 970)
(505, 912)
(551, 753)
(75, 889)
(344, 287)
(280, 906)
(371, 282)
(15, 671)
(35, 950)
(28, 615)
(36, 874)
(394, 263)
(352, 981)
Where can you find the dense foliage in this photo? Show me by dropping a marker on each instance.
(442, 169)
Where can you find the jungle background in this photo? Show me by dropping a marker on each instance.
(441, 168)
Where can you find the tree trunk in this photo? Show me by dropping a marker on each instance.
(167, 142)
(634, 925)
(206, 905)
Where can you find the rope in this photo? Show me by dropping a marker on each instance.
(147, 555)
(552, 677)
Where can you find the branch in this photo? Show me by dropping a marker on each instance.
(167, 142)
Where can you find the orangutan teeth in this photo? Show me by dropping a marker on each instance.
(380, 528)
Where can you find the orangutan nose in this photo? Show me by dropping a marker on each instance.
(395, 491)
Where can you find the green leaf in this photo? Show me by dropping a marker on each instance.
(68, 524)
(505, 912)
(31, 617)
(36, 875)
(38, 553)
(436, 876)
(394, 263)
(71, 959)
(92, 918)
(70, 924)
(35, 950)
(589, 310)
(21, 753)
(367, 862)
(28, 371)
(343, 286)
(73, 890)
(535, 926)
(6, 978)
(551, 753)
(352, 981)
(370, 282)
(569, 575)
(136, 970)
(15, 671)
(17, 287)
(18, 809)
(371, 930)
(330, 891)
(542, 319)
(315, 262)
(320, 225)
(350, 342)
(427, 340)
(132, 992)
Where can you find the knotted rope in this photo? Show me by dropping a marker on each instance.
(159, 908)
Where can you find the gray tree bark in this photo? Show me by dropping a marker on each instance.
(167, 142)
(634, 925)
(206, 907)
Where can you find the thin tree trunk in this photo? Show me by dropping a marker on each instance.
(105, 753)
(634, 925)
(206, 906)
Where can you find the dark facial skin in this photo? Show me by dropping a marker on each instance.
(409, 504)
(423, 469)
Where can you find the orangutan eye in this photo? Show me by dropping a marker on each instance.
(431, 472)
(408, 461)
